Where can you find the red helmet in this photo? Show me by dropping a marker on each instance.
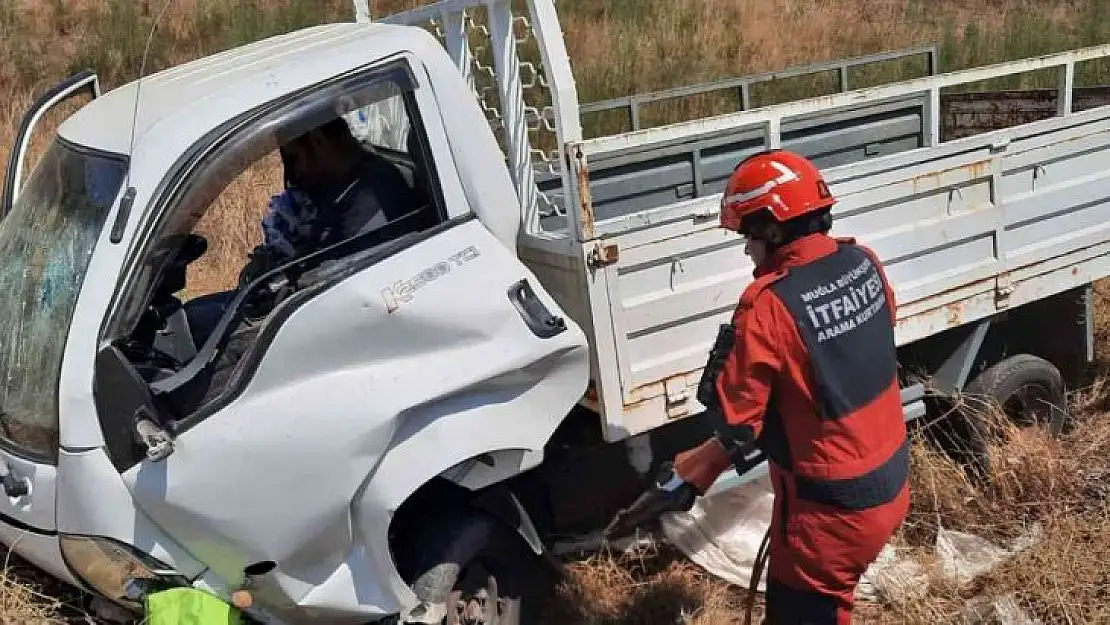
(781, 182)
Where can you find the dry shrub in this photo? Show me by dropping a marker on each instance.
(657, 585)
(233, 226)
(1032, 475)
(20, 604)
(29, 596)
(1029, 475)
(644, 586)
(1063, 484)
(1065, 578)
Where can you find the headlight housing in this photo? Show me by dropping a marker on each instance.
(116, 570)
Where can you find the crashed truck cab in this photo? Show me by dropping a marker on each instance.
(281, 449)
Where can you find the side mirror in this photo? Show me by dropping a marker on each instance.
(128, 414)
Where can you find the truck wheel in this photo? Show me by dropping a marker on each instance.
(482, 570)
(1028, 390)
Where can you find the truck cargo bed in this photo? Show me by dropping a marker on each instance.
(966, 228)
(622, 229)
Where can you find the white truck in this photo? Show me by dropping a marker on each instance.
(420, 411)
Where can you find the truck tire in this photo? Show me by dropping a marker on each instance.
(1028, 390)
(482, 570)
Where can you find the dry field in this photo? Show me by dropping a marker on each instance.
(619, 47)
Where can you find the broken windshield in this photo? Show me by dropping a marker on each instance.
(45, 247)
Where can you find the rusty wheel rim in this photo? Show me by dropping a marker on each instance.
(476, 601)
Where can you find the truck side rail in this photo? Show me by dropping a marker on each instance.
(632, 182)
(967, 228)
(743, 84)
(768, 122)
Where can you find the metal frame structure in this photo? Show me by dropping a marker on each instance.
(975, 177)
(527, 100)
(744, 84)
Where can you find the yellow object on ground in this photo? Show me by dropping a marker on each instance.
(189, 606)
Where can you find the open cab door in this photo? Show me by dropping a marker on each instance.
(82, 82)
(46, 237)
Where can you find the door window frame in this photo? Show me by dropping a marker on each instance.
(433, 139)
(444, 187)
(85, 81)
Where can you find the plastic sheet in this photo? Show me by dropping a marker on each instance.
(722, 533)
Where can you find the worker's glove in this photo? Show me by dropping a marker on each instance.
(669, 493)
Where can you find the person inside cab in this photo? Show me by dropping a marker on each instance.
(334, 189)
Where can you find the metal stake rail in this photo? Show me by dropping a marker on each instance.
(744, 83)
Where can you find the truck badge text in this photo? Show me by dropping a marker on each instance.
(402, 291)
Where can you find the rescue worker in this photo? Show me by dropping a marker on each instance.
(334, 189)
(811, 380)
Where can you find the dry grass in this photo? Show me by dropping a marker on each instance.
(29, 596)
(650, 586)
(19, 604)
(1061, 484)
(620, 47)
(233, 226)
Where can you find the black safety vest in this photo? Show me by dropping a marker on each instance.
(840, 307)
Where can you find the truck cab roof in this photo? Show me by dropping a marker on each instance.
(177, 106)
(171, 112)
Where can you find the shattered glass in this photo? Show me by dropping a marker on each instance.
(46, 244)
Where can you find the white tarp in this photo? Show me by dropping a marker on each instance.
(963, 557)
(722, 533)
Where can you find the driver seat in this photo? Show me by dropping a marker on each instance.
(176, 339)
